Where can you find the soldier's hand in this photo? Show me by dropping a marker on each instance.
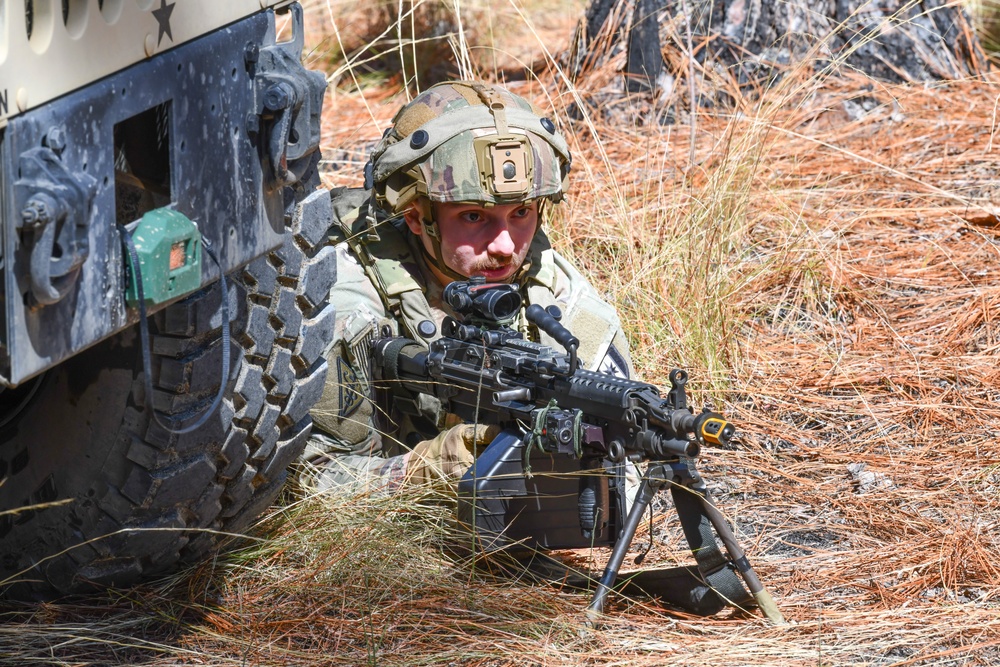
(446, 457)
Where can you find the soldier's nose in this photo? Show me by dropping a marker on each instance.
(502, 244)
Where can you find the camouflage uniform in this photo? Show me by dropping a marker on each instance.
(384, 285)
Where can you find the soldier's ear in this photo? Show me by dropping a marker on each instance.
(413, 220)
(416, 214)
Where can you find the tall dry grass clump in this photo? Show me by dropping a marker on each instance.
(986, 16)
(413, 44)
(683, 224)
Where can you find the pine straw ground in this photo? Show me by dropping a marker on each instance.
(826, 269)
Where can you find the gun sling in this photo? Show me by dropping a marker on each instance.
(713, 565)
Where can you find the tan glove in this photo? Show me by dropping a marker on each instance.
(445, 458)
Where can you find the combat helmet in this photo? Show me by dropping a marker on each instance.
(467, 142)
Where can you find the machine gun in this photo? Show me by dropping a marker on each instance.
(568, 434)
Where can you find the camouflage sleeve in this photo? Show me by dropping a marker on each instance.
(603, 346)
(343, 418)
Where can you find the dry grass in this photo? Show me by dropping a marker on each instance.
(986, 16)
(827, 269)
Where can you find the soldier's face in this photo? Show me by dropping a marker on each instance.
(479, 241)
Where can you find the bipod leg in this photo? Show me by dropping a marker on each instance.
(768, 607)
(652, 481)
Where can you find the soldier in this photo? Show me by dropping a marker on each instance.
(459, 186)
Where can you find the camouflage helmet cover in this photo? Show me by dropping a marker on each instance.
(467, 141)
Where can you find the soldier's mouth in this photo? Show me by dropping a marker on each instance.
(495, 273)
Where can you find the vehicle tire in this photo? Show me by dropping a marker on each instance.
(96, 493)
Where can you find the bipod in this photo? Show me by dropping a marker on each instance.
(699, 516)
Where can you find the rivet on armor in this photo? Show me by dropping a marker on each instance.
(548, 125)
(418, 139)
(426, 329)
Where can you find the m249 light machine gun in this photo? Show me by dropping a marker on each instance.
(555, 476)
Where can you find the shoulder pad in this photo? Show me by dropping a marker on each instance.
(543, 262)
(394, 277)
(346, 204)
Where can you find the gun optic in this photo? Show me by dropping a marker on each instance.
(493, 303)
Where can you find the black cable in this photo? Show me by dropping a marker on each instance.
(144, 335)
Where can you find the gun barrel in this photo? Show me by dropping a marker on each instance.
(658, 445)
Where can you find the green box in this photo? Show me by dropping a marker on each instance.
(169, 249)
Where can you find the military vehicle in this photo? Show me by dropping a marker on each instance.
(158, 165)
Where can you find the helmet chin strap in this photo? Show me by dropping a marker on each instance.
(430, 228)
